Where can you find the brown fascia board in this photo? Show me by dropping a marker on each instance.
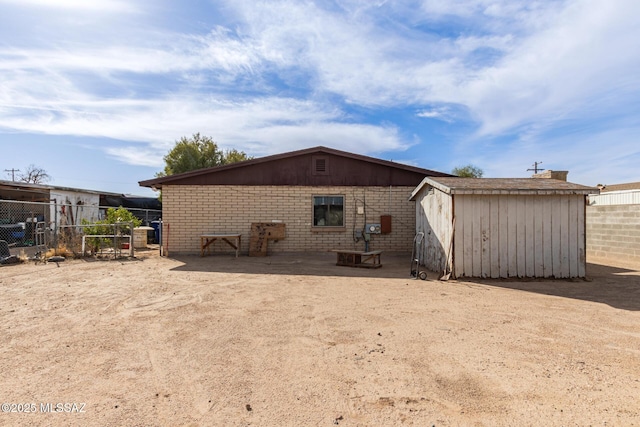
(158, 182)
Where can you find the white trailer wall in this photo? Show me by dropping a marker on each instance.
(71, 207)
(629, 197)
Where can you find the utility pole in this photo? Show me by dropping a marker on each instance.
(13, 173)
(535, 167)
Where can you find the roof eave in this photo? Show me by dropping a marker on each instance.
(158, 182)
(515, 191)
(428, 181)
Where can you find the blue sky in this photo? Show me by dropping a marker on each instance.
(97, 92)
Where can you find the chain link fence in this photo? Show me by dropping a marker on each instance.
(41, 226)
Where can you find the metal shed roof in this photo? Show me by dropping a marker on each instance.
(502, 186)
(15, 187)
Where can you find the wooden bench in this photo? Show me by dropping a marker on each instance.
(358, 258)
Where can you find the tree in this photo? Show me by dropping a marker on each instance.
(233, 156)
(34, 175)
(198, 152)
(468, 171)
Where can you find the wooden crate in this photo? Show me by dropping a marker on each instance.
(261, 233)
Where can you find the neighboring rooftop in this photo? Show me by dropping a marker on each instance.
(44, 187)
(25, 191)
(620, 187)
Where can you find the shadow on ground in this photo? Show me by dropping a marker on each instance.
(394, 265)
(615, 286)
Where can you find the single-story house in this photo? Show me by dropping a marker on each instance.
(613, 223)
(503, 227)
(326, 199)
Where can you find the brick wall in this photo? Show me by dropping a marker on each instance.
(191, 210)
(613, 232)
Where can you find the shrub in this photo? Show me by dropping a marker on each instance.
(113, 216)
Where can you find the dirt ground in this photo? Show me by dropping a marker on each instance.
(293, 340)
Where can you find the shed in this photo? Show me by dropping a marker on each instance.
(502, 227)
(55, 205)
(325, 198)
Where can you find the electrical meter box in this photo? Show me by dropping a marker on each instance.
(372, 229)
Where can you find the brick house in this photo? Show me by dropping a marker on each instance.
(325, 197)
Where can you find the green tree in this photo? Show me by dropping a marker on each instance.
(198, 152)
(233, 155)
(468, 171)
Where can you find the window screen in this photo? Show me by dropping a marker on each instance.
(328, 211)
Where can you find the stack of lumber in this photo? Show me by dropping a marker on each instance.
(261, 233)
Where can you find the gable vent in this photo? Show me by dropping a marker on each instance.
(320, 166)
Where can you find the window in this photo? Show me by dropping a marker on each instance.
(328, 211)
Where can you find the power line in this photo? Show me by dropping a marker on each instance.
(13, 173)
(535, 167)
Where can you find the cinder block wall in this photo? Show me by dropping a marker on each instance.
(191, 210)
(613, 232)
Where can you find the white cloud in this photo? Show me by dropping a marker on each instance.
(554, 74)
(574, 151)
(263, 126)
(440, 113)
(356, 138)
(352, 55)
(549, 59)
(136, 155)
(277, 75)
(83, 5)
(178, 53)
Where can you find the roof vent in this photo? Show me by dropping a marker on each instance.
(320, 166)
